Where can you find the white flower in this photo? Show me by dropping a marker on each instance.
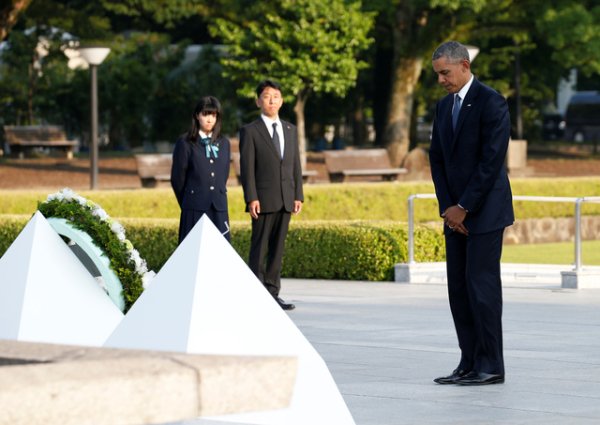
(100, 213)
(147, 278)
(118, 230)
(142, 269)
(67, 194)
(140, 264)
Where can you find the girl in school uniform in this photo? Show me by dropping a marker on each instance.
(201, 160)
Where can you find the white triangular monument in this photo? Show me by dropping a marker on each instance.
(47, 295)
(205, 300)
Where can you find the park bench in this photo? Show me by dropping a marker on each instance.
(154, 169)
(21, 139)
(343, 164)
(307, 175)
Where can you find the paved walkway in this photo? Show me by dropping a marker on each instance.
(385, 342)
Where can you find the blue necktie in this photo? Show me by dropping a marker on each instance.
(455, 110)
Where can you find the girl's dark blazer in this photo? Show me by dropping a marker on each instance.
(199, 182)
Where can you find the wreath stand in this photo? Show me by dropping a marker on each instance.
(92, 257)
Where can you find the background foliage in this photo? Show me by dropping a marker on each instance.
(537, 41)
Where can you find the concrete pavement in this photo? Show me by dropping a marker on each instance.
(385, 342)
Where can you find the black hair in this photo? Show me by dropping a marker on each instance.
(266, 83)
(209, 104)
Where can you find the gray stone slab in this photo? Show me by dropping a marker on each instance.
(69, 385)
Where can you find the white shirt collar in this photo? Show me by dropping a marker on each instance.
(269, 122)
(204, 135)
(463, 92)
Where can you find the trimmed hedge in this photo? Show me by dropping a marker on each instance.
(10, 227)
(316, 250)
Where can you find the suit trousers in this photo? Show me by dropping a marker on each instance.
(266, 248)
(475, 295)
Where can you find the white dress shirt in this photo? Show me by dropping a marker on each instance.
(269, 123)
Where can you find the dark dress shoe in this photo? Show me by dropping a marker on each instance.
(284, 305)
(480, 378)
(452, 378)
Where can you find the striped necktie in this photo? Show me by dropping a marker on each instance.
(455, 110)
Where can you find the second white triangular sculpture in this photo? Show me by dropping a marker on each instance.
(47, 295)
(206, 300)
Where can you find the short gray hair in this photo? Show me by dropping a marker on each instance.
(453, 51)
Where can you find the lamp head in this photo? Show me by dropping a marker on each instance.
(94, 55)
(473, 51)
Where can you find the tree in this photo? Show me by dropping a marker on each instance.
(9, 13)
(306, 45)
(172, 104)
(528, 46)
(545, 37)
(33, 64)
(165, 12)
(407, 31)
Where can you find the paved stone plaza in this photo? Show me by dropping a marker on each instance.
(385, 342)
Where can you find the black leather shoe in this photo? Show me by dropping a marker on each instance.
(284, 305)
(480, 378)
(452, 378)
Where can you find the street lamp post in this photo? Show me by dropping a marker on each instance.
(94, 57)
(473, 52)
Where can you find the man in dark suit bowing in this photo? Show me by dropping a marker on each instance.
(272, 181)
(470, 138)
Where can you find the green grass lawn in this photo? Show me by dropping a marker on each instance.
(552, 253)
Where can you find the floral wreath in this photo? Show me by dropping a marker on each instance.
(107, 234)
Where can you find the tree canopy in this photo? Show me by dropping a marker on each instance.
(546, 38)
(306, 45)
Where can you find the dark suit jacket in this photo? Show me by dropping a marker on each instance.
(276, 183)
(197, 182)
(467, 165)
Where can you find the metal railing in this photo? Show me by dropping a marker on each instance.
(577, 201)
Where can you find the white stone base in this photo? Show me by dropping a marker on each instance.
(546, 275)
(581, 279)
(420, 273)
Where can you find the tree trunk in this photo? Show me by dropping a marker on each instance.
(397, 130)
(9, 14)
(518, 110)
(359, 132)
(299, 111)
(31, 91)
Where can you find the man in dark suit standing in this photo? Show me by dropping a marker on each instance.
(470, 138)
(272, 182)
